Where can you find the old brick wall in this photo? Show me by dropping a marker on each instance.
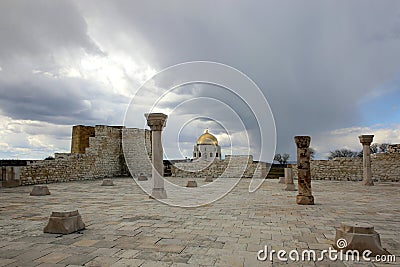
(395, 148)
(102, 158)
(384, 166)
(80, 138)
(137, 150)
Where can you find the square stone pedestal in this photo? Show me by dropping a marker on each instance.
(64, 222)
(358, 236)
(290, 187)
(142, 178)
(158, 193)
(107, 182)
(40, 190)
(191, 184)
(208, 179)
(304, 200)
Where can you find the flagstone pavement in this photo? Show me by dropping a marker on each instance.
(124, 227)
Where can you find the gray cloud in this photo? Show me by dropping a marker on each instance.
(38, 28)
(55, 100)
(313, 60)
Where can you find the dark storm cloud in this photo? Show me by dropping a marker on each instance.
(34, 29)
(216, 100)
(56, 100)
(38, 40)
(60, 100)
(314, 60)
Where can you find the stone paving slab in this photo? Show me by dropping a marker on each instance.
(126, 228)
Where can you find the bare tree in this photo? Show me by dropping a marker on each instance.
(383, 147)
(343, 153)
(285, 158)
(282, 159)
(347, 153)
(374, 148)
(312, 153)
(278, 158)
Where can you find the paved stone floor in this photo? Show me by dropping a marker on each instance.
(126, 228)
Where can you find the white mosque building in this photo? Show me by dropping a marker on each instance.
(207, 148)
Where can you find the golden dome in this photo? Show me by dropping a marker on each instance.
(207, 139)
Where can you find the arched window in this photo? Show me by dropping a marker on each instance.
(210, 154)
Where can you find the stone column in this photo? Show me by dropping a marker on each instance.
(304, 196)
(366, 141)
(289, 180)
(156, 122)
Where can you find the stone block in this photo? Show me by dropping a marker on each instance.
(281, 180)
(290, 187)
(358, 236)
(64, 222)
(191, 184)
(142, 178)
(10, 176)
(10, 183)
(107, 182)
(304, 200)
(208, 179)
(158, 193)
(40, 190)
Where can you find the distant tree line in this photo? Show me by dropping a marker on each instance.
(283, 159)
(347, 153)
(338, 153)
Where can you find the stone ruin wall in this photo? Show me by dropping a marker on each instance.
(384, 167)
(80, 138)
(102, 157)
(97, 152)
(393, 148)
(218, 167)
(137, 148)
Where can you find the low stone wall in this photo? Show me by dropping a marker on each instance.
(102, 158)
(239, 166)
(385, 167)
(393, 148)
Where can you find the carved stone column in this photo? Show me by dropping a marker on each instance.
(304, 196)
(156, 122)
(366, 141)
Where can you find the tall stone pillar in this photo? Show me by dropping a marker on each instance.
(304, 196)
(156, 122)
(366, 141)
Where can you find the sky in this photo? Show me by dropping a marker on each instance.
(328, 69)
